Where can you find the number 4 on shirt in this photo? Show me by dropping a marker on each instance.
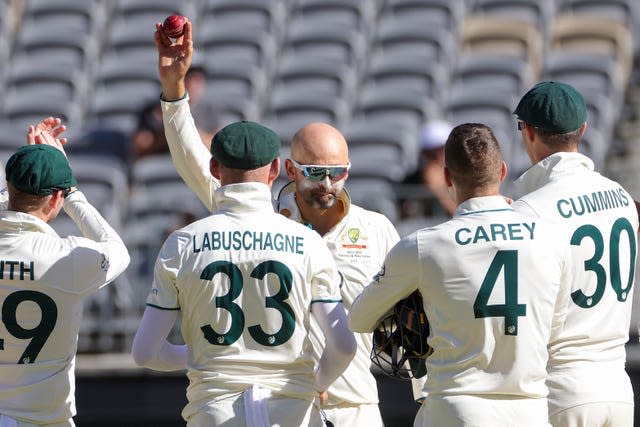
(510, 310)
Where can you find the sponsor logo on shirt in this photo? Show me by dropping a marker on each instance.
(354, 242)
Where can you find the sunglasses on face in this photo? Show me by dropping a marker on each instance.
(520, 125)
(316, 173)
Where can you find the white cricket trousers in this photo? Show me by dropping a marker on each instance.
(254, 408)
(6, 421)
(365, 415)
(598, 414)
(471, 411)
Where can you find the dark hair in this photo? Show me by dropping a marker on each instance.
(20, 201)
(558, 141)
(473, 156)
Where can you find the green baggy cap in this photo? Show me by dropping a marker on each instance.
(553, 106)
(245, 145)
(39, 169)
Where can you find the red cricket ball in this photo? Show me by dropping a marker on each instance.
(173, 26)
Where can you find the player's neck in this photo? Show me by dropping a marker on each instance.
(463, 196)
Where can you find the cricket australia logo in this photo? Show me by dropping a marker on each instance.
(354, 241)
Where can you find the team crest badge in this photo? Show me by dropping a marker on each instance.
(354, 234)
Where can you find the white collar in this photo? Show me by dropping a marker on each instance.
(243, 197)
(552, 167)
(13, 221)
(482, 204)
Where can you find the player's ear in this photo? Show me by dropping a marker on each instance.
(447, 177)
(503, 171)
(214, 168)
(53, 204)
(274, 172)
(582, 129)
(57, 198)
(289, 169)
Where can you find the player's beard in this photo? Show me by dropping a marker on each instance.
(320, 195)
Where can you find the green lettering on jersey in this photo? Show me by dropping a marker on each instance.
(268, 243)
(227, 302)
(498, 232)
(206, 244)
(481, 234)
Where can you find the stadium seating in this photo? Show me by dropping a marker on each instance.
(406, 72)
(540, 13)
(329, 40)
(359, 14)
(380, 149)
(268, 15)
(444, 13)
(309, 74)
(293, 105)
(227, 42)
(494, 33)
(508, 74)
(596, 35)
(411, 35)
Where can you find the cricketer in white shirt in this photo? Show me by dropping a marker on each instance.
(588, 384)
(358, 243)
(247, 282)
(44, 280)
(262, 273)
(598, 222)
(494, 284)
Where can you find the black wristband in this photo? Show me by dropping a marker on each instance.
(69, 191)
(162, 98)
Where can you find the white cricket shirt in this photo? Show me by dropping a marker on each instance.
(244, 279)
(491, 280)
(43, 282)
(598, 220)
(358, 243)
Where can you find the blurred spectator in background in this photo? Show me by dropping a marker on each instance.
(148, 138)
(206, 113)
(430, 173)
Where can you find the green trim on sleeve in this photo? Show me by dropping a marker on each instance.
(162, 308)
(325, 300)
